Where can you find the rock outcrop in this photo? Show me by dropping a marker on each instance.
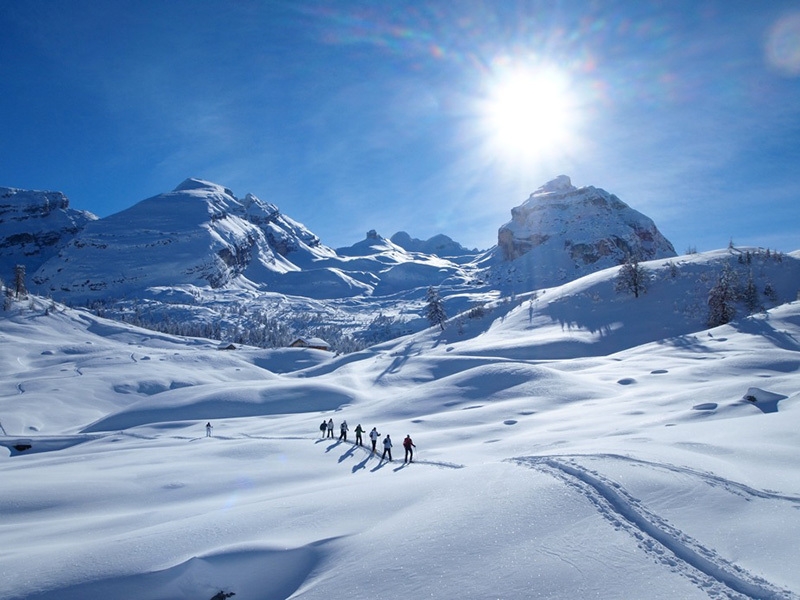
(34, 226)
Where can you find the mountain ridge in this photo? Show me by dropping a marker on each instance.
(202, 261)
(201, 234)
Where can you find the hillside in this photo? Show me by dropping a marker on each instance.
(566, 447)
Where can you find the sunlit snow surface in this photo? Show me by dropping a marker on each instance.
(557, 457)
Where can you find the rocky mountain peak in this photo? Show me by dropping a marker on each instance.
(562, 232)
(562, 183)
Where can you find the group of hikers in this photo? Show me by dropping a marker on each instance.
(326, 427)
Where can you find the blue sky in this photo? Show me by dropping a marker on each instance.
(395, 115)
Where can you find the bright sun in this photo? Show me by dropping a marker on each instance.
(529, 113)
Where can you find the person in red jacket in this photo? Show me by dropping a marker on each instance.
(408, 444)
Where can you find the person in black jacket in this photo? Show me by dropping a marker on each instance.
(359, 430)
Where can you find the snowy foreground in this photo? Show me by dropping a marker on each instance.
(664, 470)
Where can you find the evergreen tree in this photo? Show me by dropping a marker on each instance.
(435, 309)
(19, 281)
(722, 299)
(750, 294)
(632, 278)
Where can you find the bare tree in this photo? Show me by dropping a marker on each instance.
(632, 278)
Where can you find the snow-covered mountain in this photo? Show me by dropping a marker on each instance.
(34, 226)
(562, 232)
(202, 235)
(199, 234)
(201, 261)
(439, 245)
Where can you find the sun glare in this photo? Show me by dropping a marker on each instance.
(529, 113)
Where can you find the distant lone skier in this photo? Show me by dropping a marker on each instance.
(359, 430)
(408, 444)
(208, 429)
(387, 447)
(374, 435)
(343, 431)
(330, 428)
(323, 427)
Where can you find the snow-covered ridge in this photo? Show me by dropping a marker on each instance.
(201, 234)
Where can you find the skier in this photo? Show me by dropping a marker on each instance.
(323, 427)
(374, 435)
(330, 428)
(359, 431)
(387, 447)
(343, 431)
(208, 429)
(408, 444)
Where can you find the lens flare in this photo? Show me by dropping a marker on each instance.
(529, 112)
(783, 45)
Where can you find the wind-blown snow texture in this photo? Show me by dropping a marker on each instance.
(571, 443)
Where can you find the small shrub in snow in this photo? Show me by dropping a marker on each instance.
(477, 312)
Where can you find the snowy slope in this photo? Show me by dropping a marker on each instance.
(632, 470)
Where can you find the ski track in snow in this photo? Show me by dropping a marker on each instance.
(669, 545)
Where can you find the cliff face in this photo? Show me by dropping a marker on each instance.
(34, 225)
